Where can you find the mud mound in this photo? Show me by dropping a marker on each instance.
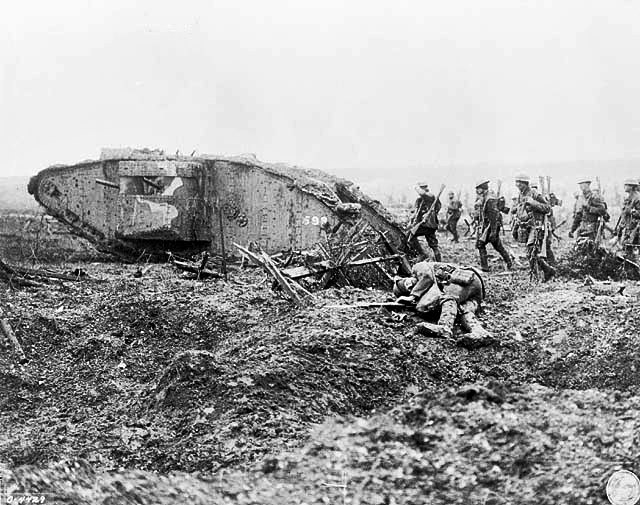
(485, 444)
(577, 336)
(489, 443)
(170, 374)
(585, 259)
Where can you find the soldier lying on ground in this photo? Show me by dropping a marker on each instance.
(454, 290)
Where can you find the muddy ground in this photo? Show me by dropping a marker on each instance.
(164, 389)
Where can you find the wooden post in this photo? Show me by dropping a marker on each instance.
(17, 348)
(224, 252)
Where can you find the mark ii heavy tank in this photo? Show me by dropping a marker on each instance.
(131, 201)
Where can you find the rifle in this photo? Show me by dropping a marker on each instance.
(599, 232)
(416, 226)
(373, 305)
(413, 224)
(541, 184)
(471, 227)
(545, 237)
(616, 228)
(561, 224)
(620, 257)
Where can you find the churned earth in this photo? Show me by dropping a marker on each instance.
(164, 389)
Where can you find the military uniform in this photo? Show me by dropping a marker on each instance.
(532, 226)
(428, 223)
(456, 290)
(489, 226)
(629, 228)
(454, 211)
(589, 209)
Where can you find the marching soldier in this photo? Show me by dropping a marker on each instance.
(533, 228)
(489, 225)
(426, 215)
(629, 226)
(590, 209)
(454, 211)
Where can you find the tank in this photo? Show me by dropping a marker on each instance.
(131, 201)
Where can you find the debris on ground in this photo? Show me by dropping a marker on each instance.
(586, 257)
(160, 386)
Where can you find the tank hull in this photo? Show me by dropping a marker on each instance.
(145, 201)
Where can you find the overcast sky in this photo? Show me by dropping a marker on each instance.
(326, 84)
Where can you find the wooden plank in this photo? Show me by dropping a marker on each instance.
(275, 272)
(302, 272)
(17, 348)
(265, 262)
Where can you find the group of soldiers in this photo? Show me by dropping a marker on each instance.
(532, 221)
(531, 224)
(457, 291)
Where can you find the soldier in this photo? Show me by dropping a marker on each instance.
(489, 225)
(533, 228)
(629, 227)
(589, 210)
(456, 290)
(427, 220)
(454, 211)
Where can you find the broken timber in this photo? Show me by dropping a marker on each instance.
(17, 348)
(200, 271)
(30, 277)
(326, 266)
(289, 287)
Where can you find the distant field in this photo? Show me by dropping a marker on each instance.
(14, 195)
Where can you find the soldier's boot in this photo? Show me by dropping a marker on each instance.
(505, 255)
(436, 254)
(434, 330)
(444, 328)
(547, 269)
(478, 336)
(448, 313)
(484, 260)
